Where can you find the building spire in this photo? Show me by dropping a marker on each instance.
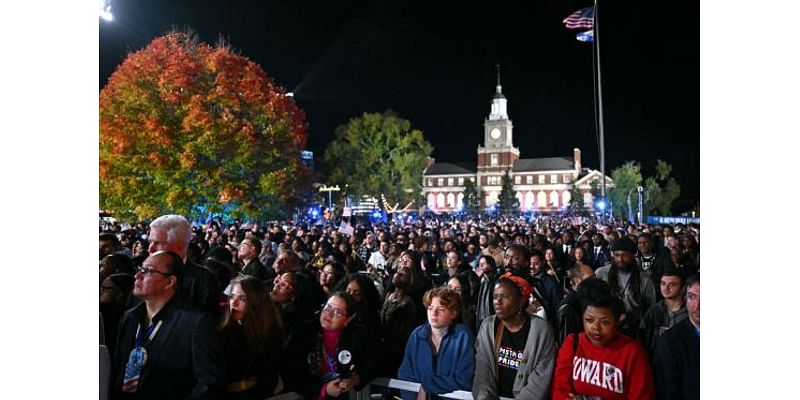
(498, 101)
(499, 88)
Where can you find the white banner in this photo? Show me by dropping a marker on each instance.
(346, 229)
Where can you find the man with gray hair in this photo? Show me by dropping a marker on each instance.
(198, 286)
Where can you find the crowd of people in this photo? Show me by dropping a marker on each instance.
(526, 309)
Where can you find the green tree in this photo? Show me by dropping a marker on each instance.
(658, 198)
(379, 154)
(194, 129)
(623, 195)
(507, 201)
(575, 201)
(596, 190)
(472, 203)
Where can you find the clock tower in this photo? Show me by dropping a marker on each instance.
(498, 153)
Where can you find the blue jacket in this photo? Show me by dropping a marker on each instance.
(455, 364)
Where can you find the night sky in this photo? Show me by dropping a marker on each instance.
(433, 63)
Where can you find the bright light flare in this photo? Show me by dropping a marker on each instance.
(601, 205)
(105, 11)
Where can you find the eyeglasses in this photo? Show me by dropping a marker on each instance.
(147, 271)
(333, 311)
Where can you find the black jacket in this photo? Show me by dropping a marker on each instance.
(257, 269)
(676, 363)
(199, 288)
(184, 359)
(303, 360)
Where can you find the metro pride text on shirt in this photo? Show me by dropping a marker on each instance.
(509, 358)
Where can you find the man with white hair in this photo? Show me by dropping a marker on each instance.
(199, 286)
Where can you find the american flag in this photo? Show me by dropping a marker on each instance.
(581, 19)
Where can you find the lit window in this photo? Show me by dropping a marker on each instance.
(491, 198)
(517, 180)
(567, 178)
(449, 181)
(528, 204)
(495, 160)
(553, 178)
(542, 201)
(541, 180)
(529, 179)
(440, 182)
(460, 181)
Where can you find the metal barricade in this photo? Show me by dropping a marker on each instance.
(400, 384)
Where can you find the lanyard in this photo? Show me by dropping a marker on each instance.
(150, 333)
(328, 359)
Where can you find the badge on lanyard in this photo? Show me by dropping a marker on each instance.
(133, 369)
(331, 374)
(137, 359)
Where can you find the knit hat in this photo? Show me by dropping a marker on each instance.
(624, 244)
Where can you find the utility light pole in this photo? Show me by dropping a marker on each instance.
(329, 189)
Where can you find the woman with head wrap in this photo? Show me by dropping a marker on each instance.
(515, 352)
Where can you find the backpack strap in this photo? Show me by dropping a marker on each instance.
(574, 344)
(574, 352)
(498, 337)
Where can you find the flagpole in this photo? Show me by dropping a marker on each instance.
(596, 43)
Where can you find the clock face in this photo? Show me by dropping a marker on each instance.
(495, 133)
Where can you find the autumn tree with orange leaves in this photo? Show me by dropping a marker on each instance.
(193, 129)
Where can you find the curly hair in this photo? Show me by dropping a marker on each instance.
(447, 297)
